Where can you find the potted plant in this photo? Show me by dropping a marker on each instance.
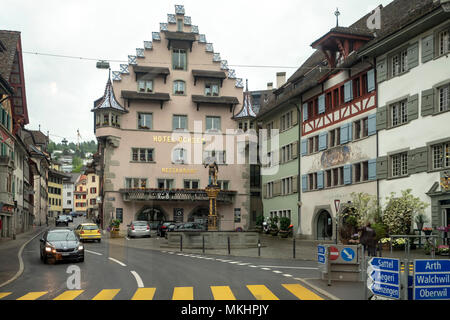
(114, 228)
(284, 227)
(420, 219)
(443, 250)
(427, 231)
(386, 243)
(273, 225)
(399, 243)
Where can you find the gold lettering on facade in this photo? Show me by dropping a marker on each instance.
(170, 139)
(179, 171)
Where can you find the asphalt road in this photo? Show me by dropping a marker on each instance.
(124, 273)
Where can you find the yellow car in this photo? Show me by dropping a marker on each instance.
(89, 231)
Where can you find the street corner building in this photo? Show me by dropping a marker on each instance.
(164, 116)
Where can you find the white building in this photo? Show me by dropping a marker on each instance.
(68, 192)
(413, 119)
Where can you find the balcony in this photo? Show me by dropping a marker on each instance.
(182, 195)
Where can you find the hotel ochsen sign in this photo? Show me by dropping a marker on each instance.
(181, 139)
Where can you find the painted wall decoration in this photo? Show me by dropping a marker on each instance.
(336, 156)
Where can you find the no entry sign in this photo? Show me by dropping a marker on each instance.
(334, 253)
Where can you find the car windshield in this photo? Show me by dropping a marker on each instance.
(90, 227)
(61, 236)
(139, 223)
(62, 217)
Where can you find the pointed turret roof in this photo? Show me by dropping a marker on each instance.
(108, 101)
(247, 109)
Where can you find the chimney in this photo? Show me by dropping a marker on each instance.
(281, 79)
(270, 86)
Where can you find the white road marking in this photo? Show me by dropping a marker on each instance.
(286, 267)
(93, 252)
(276, 271)
(287, 275)
(127, 238)
(139, 281)
(117, 261)
(243, 264)
(267, 269)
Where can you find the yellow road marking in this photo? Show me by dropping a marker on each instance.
(4, 294)
(33, 295)
(183, 293)
(301, 292)
(69, 295)
(222, 293)
(261, 292)
(108, 294)
(144, 294)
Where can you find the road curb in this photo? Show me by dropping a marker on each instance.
(21, 265)
(321, 291)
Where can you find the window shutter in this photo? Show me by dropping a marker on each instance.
(304, 150)
(381, 118)
(305, 112)
(322, 103)
(372, 124)
(348, 91)
(348, 174)
(350, 132)
(371, 80)
(427, 103)
(295, 184)
(382, 168)
(413, 107)
(320, 180)
(294, 117)
(208, 123)
(304, 183)
(265, 191)
(413, 55)
(277, 188)
(344, 134)
(295, 150)
(421, 160)
(411, 161)
(323, 139)
(381, 70)
(427, 48)
(373, 169)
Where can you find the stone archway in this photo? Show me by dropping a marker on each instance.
(324, 225)
(151, 214)
(199, 214)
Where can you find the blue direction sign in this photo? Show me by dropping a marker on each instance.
(321, 254)
(384, 277)
(348, 254)
(431, 280)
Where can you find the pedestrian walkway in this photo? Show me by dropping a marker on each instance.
(10, 265)
(291, 291)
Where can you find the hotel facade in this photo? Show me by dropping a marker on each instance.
(164, 115)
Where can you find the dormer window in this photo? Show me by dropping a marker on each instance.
(145, 86)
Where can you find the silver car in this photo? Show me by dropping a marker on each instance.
(138, 229)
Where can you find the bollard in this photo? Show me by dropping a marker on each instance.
(203, 241)
(293, 250)
(259, 248)
(229, 249)
(181, 243)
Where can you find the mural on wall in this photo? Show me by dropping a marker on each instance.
(336, 156)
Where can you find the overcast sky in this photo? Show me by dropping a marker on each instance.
(61, 91)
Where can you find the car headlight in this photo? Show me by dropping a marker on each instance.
(48, 249)
(80, 247)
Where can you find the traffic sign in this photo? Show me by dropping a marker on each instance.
(384, 277)
(348, 254)
(431, 280)
(334, 253)
(321, 254)
(321, 259)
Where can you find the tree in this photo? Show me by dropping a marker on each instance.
(399, 212)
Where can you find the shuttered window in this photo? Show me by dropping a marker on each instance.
(399, 165)
(444, 98)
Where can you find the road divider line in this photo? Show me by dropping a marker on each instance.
(139, 281)
(93, 252)
(117, 261)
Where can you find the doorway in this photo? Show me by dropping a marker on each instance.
(324, 226)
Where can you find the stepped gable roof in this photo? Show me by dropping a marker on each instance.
(394, 17)
(108, 101)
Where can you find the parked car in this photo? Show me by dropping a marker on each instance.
(62, 219)
(154, 224)
(162, 228)
(74, 214)
(61, 244)
(191, 226)
(70, 217)
(138, 229)
(88, 231)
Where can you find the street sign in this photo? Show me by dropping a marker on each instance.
(384, 277)
(321, 254)
(334, 253)
(431, 280)
(348, 254)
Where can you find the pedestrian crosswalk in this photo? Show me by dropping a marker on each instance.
(258, 292)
